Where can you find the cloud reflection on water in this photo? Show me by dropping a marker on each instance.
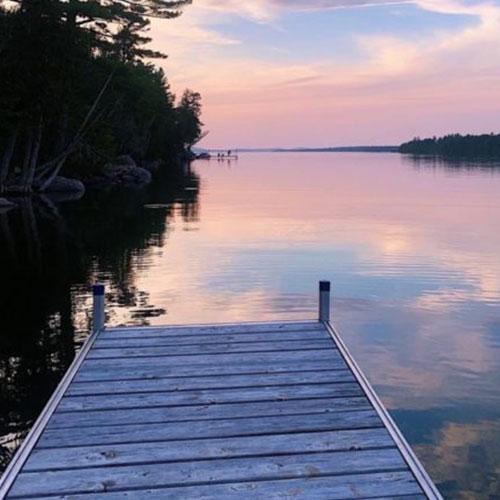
(413, 255)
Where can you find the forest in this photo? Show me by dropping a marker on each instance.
(455, 146)
(79, 89)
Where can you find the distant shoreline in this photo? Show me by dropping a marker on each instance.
(347, 149)
(484, 146)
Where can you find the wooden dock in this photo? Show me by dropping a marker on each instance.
(247, 411)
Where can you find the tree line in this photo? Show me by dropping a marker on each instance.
(455, 146)
(78, 89)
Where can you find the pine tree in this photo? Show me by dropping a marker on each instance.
(67, 67)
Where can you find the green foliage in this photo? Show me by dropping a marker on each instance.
(456, 145)
(76, 71)
(188, 116)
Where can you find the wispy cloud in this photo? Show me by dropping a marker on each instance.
(264, 10)
(428, 79)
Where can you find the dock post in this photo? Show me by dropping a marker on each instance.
(324, 301)
(98, 317)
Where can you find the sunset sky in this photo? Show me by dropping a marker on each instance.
(336, 72)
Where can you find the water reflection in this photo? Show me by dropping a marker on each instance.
(412, 252)
(457, 443)
(49, 254)
(454, 165)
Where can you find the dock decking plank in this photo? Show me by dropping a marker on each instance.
(207, 472)
(212, 358)
(209, 382)
(146, 340)
(252, 426)
(198, 331)
(150, 370)
(186, 450)
(219, 396)
(353, 486)
(208, 412)
(257, 410)
(199, 349)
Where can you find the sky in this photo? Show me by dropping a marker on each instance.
(286, 73)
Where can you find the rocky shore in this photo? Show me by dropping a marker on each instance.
(121, 173)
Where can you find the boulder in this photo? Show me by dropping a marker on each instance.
(122, 172)
(126, 176)
(65, 185)
(125, 160)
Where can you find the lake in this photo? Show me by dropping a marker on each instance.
(412, 248)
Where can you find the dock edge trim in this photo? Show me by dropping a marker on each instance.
(22, 454)
(409, 456)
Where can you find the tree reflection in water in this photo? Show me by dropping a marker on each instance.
(50, 253)
(453, 165)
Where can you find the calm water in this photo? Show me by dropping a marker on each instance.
(411, 247)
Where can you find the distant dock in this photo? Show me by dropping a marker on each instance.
(214, 155)
(247, 410)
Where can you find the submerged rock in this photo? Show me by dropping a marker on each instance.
(5, 205)
(4, 202)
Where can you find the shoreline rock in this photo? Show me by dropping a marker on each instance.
(125, 160)
(66, 185)
(123, 172)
